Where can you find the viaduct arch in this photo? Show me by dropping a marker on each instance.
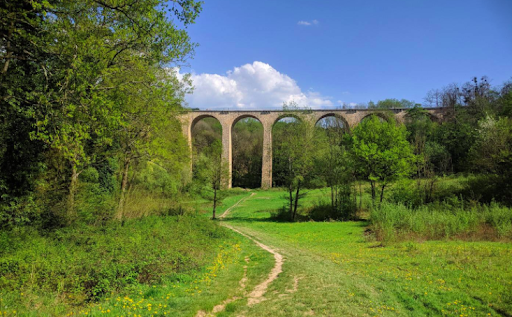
(228, 119)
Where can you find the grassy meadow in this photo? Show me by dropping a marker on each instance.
(343, 270)
(185, 264)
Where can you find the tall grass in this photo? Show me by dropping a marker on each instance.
(442, 221)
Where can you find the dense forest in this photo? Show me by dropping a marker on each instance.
(89, 96)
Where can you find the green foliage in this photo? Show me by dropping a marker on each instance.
(381, 152)
(442, 221)
(492, 148)
(491, 155)
(505, 101)
(294, 147)
(83, 81)
(391, 104)
(88, 262)
(457, 137)
(204, 133)
(210, 172)
(247, 142)
(335, 165)
(156, 179)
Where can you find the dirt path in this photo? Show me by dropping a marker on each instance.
(257, 294)
(225, 213)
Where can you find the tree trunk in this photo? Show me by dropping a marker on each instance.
(124, 183)
(71, 197)
(353, 190)
(360, 196)
(372, 183)
(296, 201)
(382, 193)
(332, 199)
(290, 197)
(214, 202)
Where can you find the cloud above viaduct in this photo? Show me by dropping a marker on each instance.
(251, 86)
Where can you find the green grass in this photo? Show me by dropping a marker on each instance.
(60, 272)
(202, 290)
(185, 296)
(338, 267)
(344, 273)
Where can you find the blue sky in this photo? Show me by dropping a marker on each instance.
(258, 54)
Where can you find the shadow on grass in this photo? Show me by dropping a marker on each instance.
(359, 222)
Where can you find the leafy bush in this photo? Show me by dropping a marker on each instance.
(158, 180)
(323, 210)
(406, 192)
(94, 204)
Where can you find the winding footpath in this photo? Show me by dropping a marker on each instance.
(257, 294)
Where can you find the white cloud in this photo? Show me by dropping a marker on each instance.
(251, 86)
(308, 23)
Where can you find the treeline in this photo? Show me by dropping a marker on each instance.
(475, 138)
(88, 98)
(403, 164)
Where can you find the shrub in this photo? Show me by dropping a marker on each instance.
(323, 210)
(406, 192)
(281, 214)
(442, 221)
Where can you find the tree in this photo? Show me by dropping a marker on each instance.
(336, 166)
(148, 127)
(457, 136)
(448, 97)
(80, 59)
(392, 104)
(204, 133)
(247, 153)
(493, 146)
(491, 155)
(24, 65)
(381, 153)
(293, 152)
(431, 157)
(210, 171)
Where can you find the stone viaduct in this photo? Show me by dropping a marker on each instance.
(350, 118)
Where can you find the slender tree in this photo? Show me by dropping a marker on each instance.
(337, 166)
(210, 171)
(294, 150)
